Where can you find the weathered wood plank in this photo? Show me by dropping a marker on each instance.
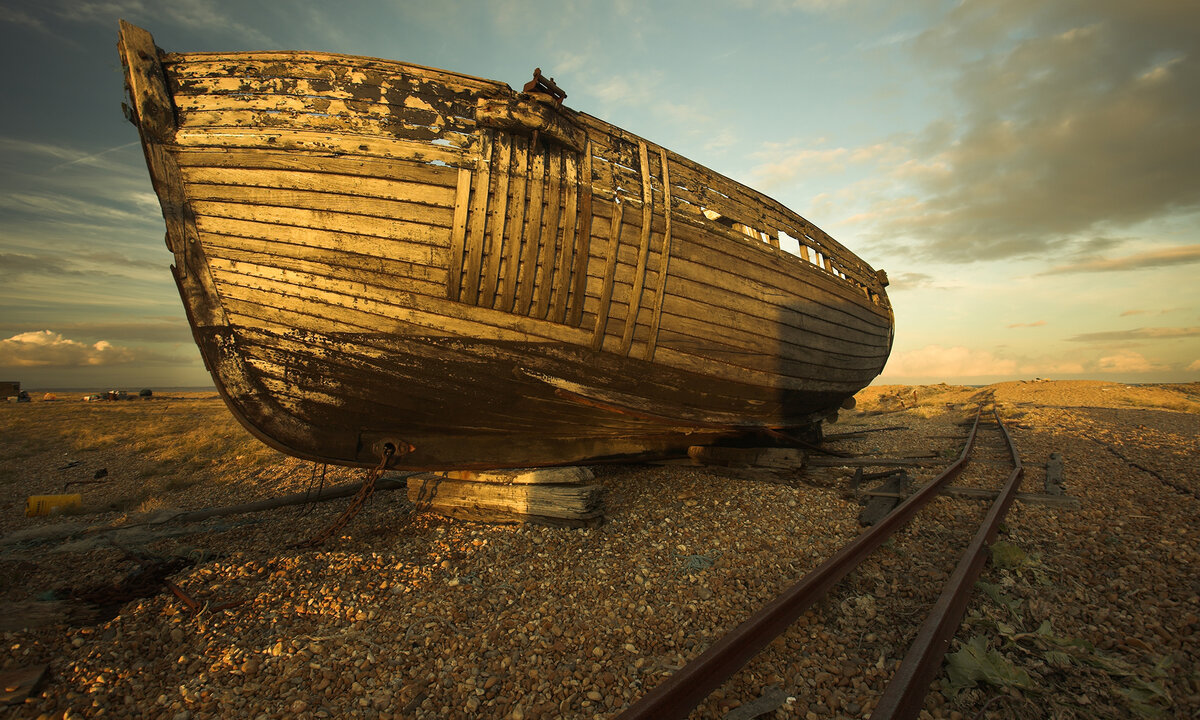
(782, 282)
(420, 192)
(570, 475)
(312, 169)
(381, 312)
(311, 141)
(353, 210)
(303, 238)
(435, 237)
(507, 503)
(773, 325)
(318, 65)
(383, 272)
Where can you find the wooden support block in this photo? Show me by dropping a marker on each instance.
(568, 505)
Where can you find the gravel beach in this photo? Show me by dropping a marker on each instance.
(1083, 613)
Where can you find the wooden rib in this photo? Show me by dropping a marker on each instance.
(516, 227)
(496, 223)
(550, 237)
(458, 235)
(664, 258)
(478, 224)
(533, 233)
(571, 220)
(639, 274)
(610, 274)
(583, 241)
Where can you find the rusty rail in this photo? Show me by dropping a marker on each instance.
(905, 694)
(676, 696)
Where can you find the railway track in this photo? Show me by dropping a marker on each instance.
(989, 460)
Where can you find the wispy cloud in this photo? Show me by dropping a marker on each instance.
(1168, 311)
(190, 14)
(1182, 255)
(1137, 334)
(909, 281)
(1038, 323)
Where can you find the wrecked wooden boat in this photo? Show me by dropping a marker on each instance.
(380, 258)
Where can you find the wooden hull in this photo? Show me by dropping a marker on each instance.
(372, 252)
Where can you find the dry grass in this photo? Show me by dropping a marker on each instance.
(151, 450)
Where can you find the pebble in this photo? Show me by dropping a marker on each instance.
(558, 622)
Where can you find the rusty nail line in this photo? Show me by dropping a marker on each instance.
(904, 696)
(676, 696)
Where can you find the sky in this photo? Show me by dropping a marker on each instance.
(1027, 172)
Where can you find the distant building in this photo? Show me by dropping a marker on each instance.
(9, 389)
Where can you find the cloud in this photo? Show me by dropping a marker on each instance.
(1194, 366)
(97, 264)
(17, 16)
(1166, 311)
(1037, 323)
(909, 281)
(190, 14)
(1180, 255)
(165, 329)
(1127, 361)
(50, 349)
(1160, 333)
(953, 362)
(1074, 118)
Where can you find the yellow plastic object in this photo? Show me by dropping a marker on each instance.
(46, 504)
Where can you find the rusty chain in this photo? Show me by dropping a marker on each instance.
(356, 504)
